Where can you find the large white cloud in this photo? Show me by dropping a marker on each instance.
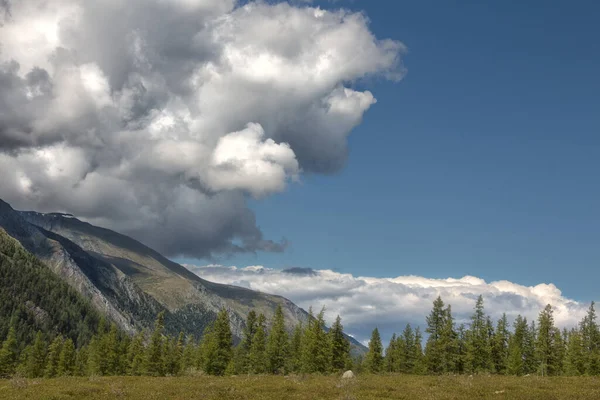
(389, 303)
(159, 117)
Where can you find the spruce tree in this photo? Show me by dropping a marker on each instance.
(316, 349)
(420, 366)
(9, 354)
(189, 351)
(135, 355)
(295, 356)
(218, 351)
(36, 357)
(340, 346)
(514, 363)
(153, 362)
(500, 346)
(54, 351)
(257, 360)
(546, 346)
(575, 359)
(374, 357)
(478, 345)
(66, 359)
(390, 360)
(277, 344)
(81, 362)
(434, 348)
(590, 336)
(406, 345)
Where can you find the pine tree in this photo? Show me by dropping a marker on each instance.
(500, 346)
(478, 345)
(316, 349)
(590, 335)
(390, 360)
(9, 354)
(257, 357)
(374, 357)
(66, 359)
(340, 346)
(295, 356)
(546, 346)
(53, 357)
(514, 363)
(81, 361)
(575, 359)
(420, 366)
(36, 357)
(135, 355)
(277, 344)
(434, 348)
(111, 345)
(406, 344)
(153, 362)
(189, 350)
(218, 348)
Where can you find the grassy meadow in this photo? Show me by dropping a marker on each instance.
(304, 387)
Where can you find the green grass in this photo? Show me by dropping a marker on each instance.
(298, 387)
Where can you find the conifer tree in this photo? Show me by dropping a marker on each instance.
(575, 359)
(81, 362)
(406, 345)
(295, 356)
(478, 345)
(53, 356)
(374, 357)
(153, 362)
(434, 348)
(36, 357)
(500, 346)
(514, 363)
(390, 360)
(66, 359)
(9, 354)
(189, 350)
(590, 336)
(257, 357)
(111, 346)
(546, 346)
(135, 355)
(218, 348)
(420, 367)
(340, 346)
(277, 344)
(316, 349)
(95, 357)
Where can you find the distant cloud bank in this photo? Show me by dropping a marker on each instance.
(390, 303)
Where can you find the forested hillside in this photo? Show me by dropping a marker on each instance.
(33, 298)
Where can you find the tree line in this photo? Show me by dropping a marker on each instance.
(536, 347)
(310, 348)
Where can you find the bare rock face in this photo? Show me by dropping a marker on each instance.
(348, 375)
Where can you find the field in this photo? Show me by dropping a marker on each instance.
(297, 387)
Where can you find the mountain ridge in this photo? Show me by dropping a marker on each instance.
(131, 282)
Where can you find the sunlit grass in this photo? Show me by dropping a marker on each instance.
(304, 387)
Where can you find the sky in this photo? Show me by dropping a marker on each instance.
(482, 160)
(379, 153)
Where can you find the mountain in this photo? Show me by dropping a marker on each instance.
(132, 283)
(33, 298)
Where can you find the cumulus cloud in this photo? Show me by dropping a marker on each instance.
(160, 117)
(389, 303)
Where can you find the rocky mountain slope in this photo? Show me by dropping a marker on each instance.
(131, 282)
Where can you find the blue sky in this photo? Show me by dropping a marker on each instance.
(483, 160)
